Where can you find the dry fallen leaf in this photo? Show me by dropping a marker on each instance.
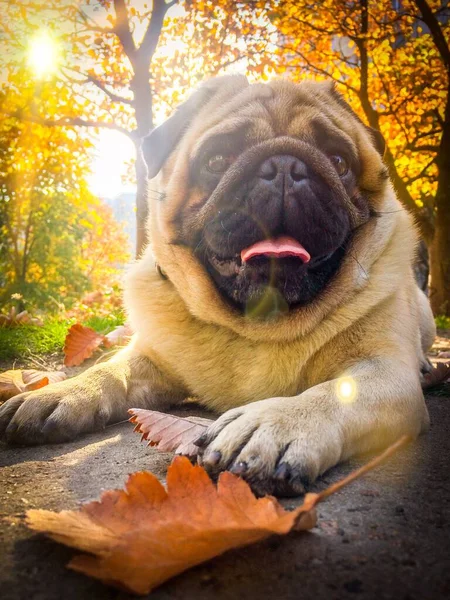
(439, 374)
(145, 535)
(139, 537)
(92, 298)
(168, 432)
(13, 319)
(16, 381)
(118, 336)
(81, 343)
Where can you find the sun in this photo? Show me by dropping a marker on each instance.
(43, 54)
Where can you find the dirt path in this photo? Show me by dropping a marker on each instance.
(385, 537)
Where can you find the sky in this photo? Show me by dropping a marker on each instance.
(112, 151)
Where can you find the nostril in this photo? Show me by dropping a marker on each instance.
(268, 170)
(298, 171)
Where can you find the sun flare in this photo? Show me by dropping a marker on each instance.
(43, 54)
(346, 390)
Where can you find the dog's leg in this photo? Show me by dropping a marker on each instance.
(100, 395)
(282, 444)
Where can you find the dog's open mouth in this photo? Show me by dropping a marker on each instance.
(281, 264)
(280, 247)
(258, 253)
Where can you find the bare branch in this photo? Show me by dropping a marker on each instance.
(91, 24)
(71, 122)
(151, 36)
(317, 69)
(423, 148)
(122, 29)
(101, 86)
(424, 134)
(439, 119)
(422, 172)
(436, 32)
(316, 28)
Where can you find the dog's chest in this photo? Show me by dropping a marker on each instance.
(219, 367)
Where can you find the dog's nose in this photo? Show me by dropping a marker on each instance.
(293, 169)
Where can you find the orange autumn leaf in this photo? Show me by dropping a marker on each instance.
(81, 343)
(34, 378)
(139, 537)
(16, 381)
(168, 432)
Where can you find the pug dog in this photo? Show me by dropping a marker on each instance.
(277, 289)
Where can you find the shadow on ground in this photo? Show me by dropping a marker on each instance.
(384, 537)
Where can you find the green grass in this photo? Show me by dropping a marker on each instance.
(22, 341)
(104, 325)
(442, 322)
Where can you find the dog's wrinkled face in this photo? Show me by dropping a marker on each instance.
(274, 197)
(279, 225)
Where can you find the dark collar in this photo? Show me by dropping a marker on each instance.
(160, 272)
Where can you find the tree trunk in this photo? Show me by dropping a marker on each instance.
(440, 268)
(422, 219)
(141, 202)
(440, 248)
(143, 108)
(422, 266)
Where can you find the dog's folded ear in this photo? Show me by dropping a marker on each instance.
(158, 145)
(377, 139)
(375, 135)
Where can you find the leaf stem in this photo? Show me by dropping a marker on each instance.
(372, 464)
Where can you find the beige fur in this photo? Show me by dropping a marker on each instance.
(278, 380)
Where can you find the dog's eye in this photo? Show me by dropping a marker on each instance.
(218, 163)
(340, 164)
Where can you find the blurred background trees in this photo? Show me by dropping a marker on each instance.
(57, 240)
(124, 64)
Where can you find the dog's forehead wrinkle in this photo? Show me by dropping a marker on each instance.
(249, 125)
(329, 129)
(293, 106)
(219, 108)
(226, 129)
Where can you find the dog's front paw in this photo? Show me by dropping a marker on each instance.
(54, 414)
(279, 445)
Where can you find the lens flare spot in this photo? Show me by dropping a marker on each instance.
(346, 390)
(271, 304)
(43, 54)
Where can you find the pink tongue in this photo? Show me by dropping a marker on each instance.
(278, 247)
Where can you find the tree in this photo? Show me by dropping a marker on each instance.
(104, 68)
(48, 216)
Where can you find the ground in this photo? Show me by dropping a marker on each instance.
(384, 537)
